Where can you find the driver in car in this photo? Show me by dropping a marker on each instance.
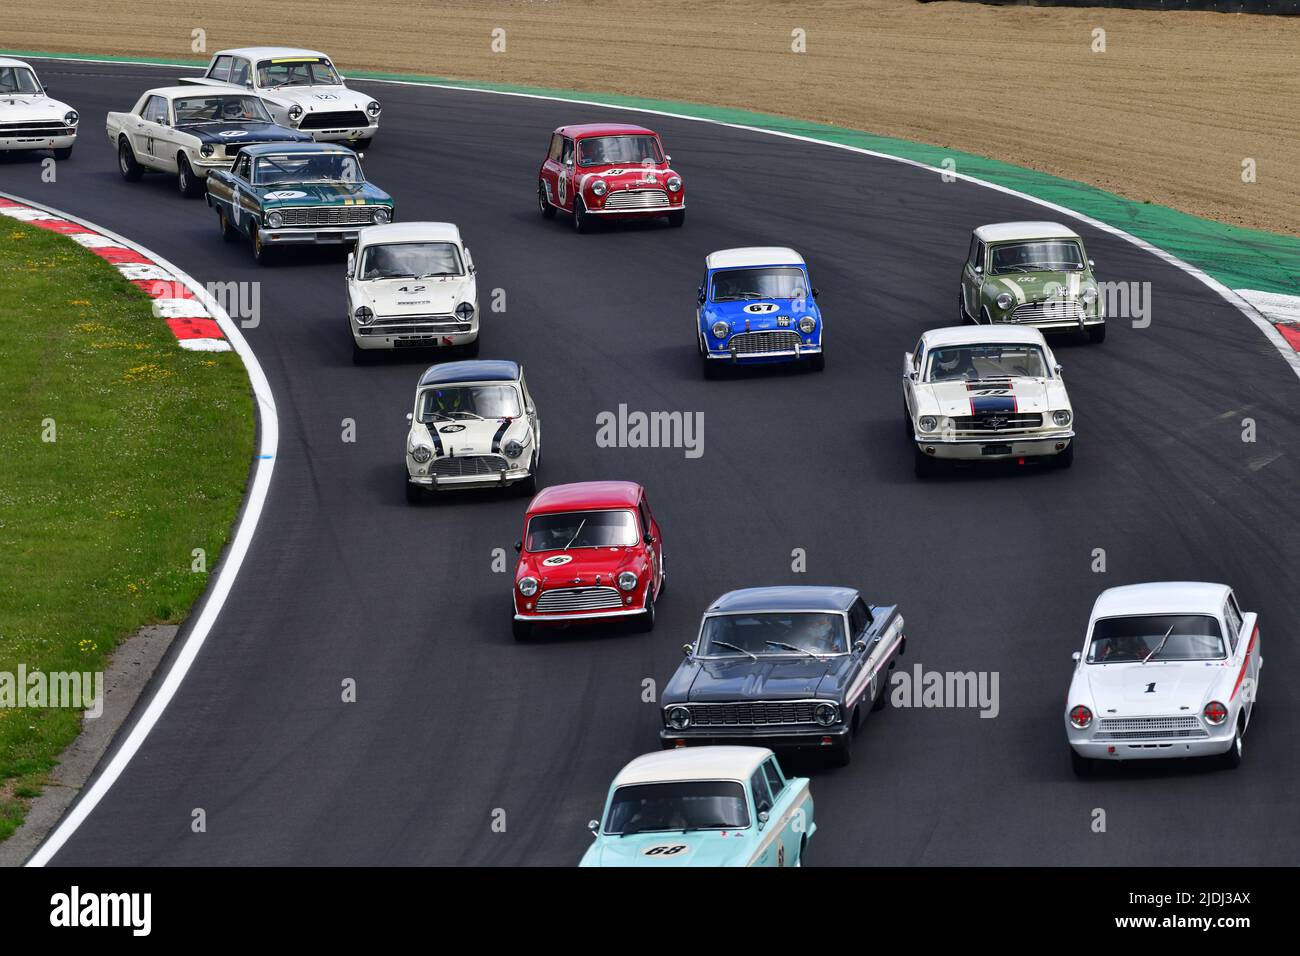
(825, 636)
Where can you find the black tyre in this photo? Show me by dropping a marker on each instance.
(879, 703)
(261, 252)
(528, 487)
(1064, 459)
(362, 145)
(414, 493)
(471, 350)
(645, 622)
(1097, 333)
(817, 363)
(923, 465)
(228, 232)
(189, 185)
(841, 754)
(360, 356)
(1231, 758)
(131, 170)
(543, 204)
(523, 630)
(677, 218)
(64, 153)
(962, 317)
(1082, 766)
(581, 219)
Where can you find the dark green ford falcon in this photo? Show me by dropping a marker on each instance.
(280, 194)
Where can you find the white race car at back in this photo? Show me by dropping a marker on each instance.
(301, 89)
(1167, 669)
(985, 394)
(29, 118)
(412, 285)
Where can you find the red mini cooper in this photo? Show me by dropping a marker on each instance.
(612, 171)
(591, 550)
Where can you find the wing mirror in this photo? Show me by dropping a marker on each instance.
(979, 270)
(687, 650)
(1075, 656)
(648, 538)
(1057, 368)
(519, 547)
(816, 292)
(568, 162)
(409, 416)
(859, 646)
(352, 261)
(1091, 264)
(763, 817)
(594, 827)
(668, 157)
(699, 294)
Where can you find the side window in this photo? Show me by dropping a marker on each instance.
(971, 254)
(644, 513)
(1233, 617)
(239, 74)
(566, 151)
(156, 111)
(245, 168)
(859, 618)
(557, 143)
(774, 779)
(979, 254)
(918, 357)
(762, 798)
(220, 68)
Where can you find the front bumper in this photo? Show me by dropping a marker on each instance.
(57, 141)
(579, 615)
(311, 235)
(377, 336)
(649, 213)
(346, 135)
(502, 479)
(759, 358)
(995, 448)
(1220, 741)
(802, 737)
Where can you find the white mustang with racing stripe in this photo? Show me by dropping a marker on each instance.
(1167, 669)
(986, 393)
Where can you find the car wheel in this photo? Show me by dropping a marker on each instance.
(581, 220)
(818, 362)
(362, 145)
(414, 493)
(528, 487)
(261, 254)
(189, 184)
(1231, 758)
(984, 314)
(645, 622)
(523, 630)
(842, 753)
(131, 170)
(1082, 766)
(470, 349)
(544, 204)
(1064, 459)
(907, 425)
(924, 465)
(360, 356)
(879, 703)
(228, 232)
(677, 218)
(64, 153)
(962, 317)
(1097, 333)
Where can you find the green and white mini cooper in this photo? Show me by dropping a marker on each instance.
(1031, 273)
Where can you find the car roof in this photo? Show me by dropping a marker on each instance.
(471, 370)
(256, 52)
(1006, 231)
(10, 61)
(693, 763)
(603, 129)
(752, 256)
(264, 149)
(982, 335)
(1162, 597)
(171, 92)
(586, 494)
(409, 232)
(785, 598)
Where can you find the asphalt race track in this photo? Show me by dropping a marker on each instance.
(992, 568)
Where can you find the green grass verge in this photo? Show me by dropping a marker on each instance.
(98, 527)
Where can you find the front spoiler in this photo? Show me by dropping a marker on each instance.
(775, 738)
(313, 234)
(971, 449)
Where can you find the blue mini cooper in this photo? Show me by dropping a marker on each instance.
(756, 306)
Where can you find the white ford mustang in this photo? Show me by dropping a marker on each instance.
(984, 394)
(1167, 670)
(29, 118)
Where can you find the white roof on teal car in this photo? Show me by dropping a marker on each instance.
(753, 256)
(1009, 231)
(693, 763)
(1000, 334)
(1162, 597)
(409, 232)
(271, 52)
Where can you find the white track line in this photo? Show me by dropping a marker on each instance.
(82, 810)
(246, 525)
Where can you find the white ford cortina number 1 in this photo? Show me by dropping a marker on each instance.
(474, 426)
(301, 89)
(29, 118)
(412, 285)
(1167, 669)
(985, 394)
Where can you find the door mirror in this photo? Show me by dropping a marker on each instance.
(1091, 264)
(409, 416)
(687, 650)
(859, 646)
(668, 157)
(699, 294)
(1075, 656)
(594, 827)
(648, 538)
(352, 262)
(816, 292)
(568, 162)
(1057, 368)
(763, 817)
(519, 547)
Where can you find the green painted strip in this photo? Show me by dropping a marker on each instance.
(1239, 258)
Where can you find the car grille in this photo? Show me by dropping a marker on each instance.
(328, 215)
(37, 128)
(997, 423)
(468, 466)
(347, 119)
(579, 599)
(637, 199)
(415, 325)
(753, 343)
(1146, 728)
(1050, 310)
(752, 713)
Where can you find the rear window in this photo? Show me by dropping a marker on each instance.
(1156, 637)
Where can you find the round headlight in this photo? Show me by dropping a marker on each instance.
(679, 718)
(274, 220)
(600, 187)
(207, 149)
(528, 586)
(928, 423)
(374, 108)
(1080, 717)
(71, 118)
(381, 215)
(422, 453)
(720, 329)
(674, 183)
(1005, 300)
(807, 324)
(465, 311)
(1215, 712)
(627, 580)
(1061, 417)
(295, 112)
(514, 449)
(825, 714)
(364, 316)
